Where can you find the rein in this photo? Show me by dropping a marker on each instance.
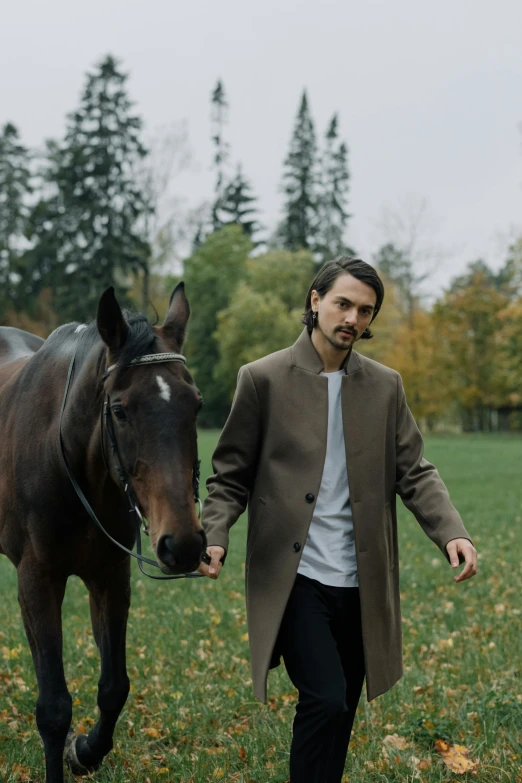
(106, 420)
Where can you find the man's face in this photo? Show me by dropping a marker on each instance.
(345, 311)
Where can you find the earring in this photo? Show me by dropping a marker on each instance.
(314, 318)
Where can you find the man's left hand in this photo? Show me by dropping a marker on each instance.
(461, 546)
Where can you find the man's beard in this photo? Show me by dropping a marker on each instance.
(340, 346)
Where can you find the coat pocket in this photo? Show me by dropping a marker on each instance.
(388, 531)
(255, 522)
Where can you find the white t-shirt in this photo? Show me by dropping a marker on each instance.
(329, 552)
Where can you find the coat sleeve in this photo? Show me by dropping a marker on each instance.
(233, 463)
(419, 484)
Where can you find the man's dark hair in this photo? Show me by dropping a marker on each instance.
(328, 274)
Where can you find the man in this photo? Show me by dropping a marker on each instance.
(319, 442)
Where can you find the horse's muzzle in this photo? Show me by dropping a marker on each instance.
(179, 554)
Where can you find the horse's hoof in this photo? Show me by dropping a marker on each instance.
(71, 754)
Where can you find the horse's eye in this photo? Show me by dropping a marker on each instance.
(119, 412)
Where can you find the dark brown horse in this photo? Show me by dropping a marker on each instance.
(44, 529)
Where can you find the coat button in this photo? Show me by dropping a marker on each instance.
(310, 498)
(297, 546)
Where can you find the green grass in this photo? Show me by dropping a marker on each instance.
(191, 715)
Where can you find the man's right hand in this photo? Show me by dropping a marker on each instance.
(212, 570)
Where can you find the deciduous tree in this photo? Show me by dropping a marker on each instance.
(211, 276)
(467, 324)
(264, 312)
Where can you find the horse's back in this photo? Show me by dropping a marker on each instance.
(16, 344)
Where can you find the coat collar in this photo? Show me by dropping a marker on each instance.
(306, 357)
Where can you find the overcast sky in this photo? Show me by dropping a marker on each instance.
(429, 96)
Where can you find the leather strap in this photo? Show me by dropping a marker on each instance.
(129, 493)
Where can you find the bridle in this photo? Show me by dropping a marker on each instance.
(106, 424)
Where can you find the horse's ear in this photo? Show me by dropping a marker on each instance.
(175, 323)
(111, 324)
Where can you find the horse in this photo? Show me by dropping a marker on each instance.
(106, 406)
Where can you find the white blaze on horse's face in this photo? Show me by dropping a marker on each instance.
(164, 388)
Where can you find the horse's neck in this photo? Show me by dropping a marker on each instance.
(83, 407)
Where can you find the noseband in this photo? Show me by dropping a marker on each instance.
(107, 425)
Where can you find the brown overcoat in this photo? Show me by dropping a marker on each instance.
(271, 455)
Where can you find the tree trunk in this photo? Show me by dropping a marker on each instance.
(145, 289)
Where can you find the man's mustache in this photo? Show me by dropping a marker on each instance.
(344, 329)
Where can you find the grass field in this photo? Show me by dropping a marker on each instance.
(191, 716)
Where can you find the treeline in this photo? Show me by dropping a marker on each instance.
(461, 359)
(86, 213)
(83, 214)
(315, 184)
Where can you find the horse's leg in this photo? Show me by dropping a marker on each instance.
(40, 595)
(110, 599)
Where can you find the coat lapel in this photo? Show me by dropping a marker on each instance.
(309, 398)
(354, 403)
(304, 354)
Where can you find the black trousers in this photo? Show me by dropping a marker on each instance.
(321, 643)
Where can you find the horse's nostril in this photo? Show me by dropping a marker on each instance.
(165, 550)
(181, 551)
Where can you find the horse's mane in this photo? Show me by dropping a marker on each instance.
(140, 338)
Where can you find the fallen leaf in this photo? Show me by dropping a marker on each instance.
(394, 741)
(456, 757)
(22, 773)
(151, 732)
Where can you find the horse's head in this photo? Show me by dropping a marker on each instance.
(153, 410)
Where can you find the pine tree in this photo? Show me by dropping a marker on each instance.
(219, 117)
(335, 176)
(238, 204)
(299, 227)
(91, 231)
(15, 187)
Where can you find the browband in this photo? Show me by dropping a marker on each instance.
(150, 358)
